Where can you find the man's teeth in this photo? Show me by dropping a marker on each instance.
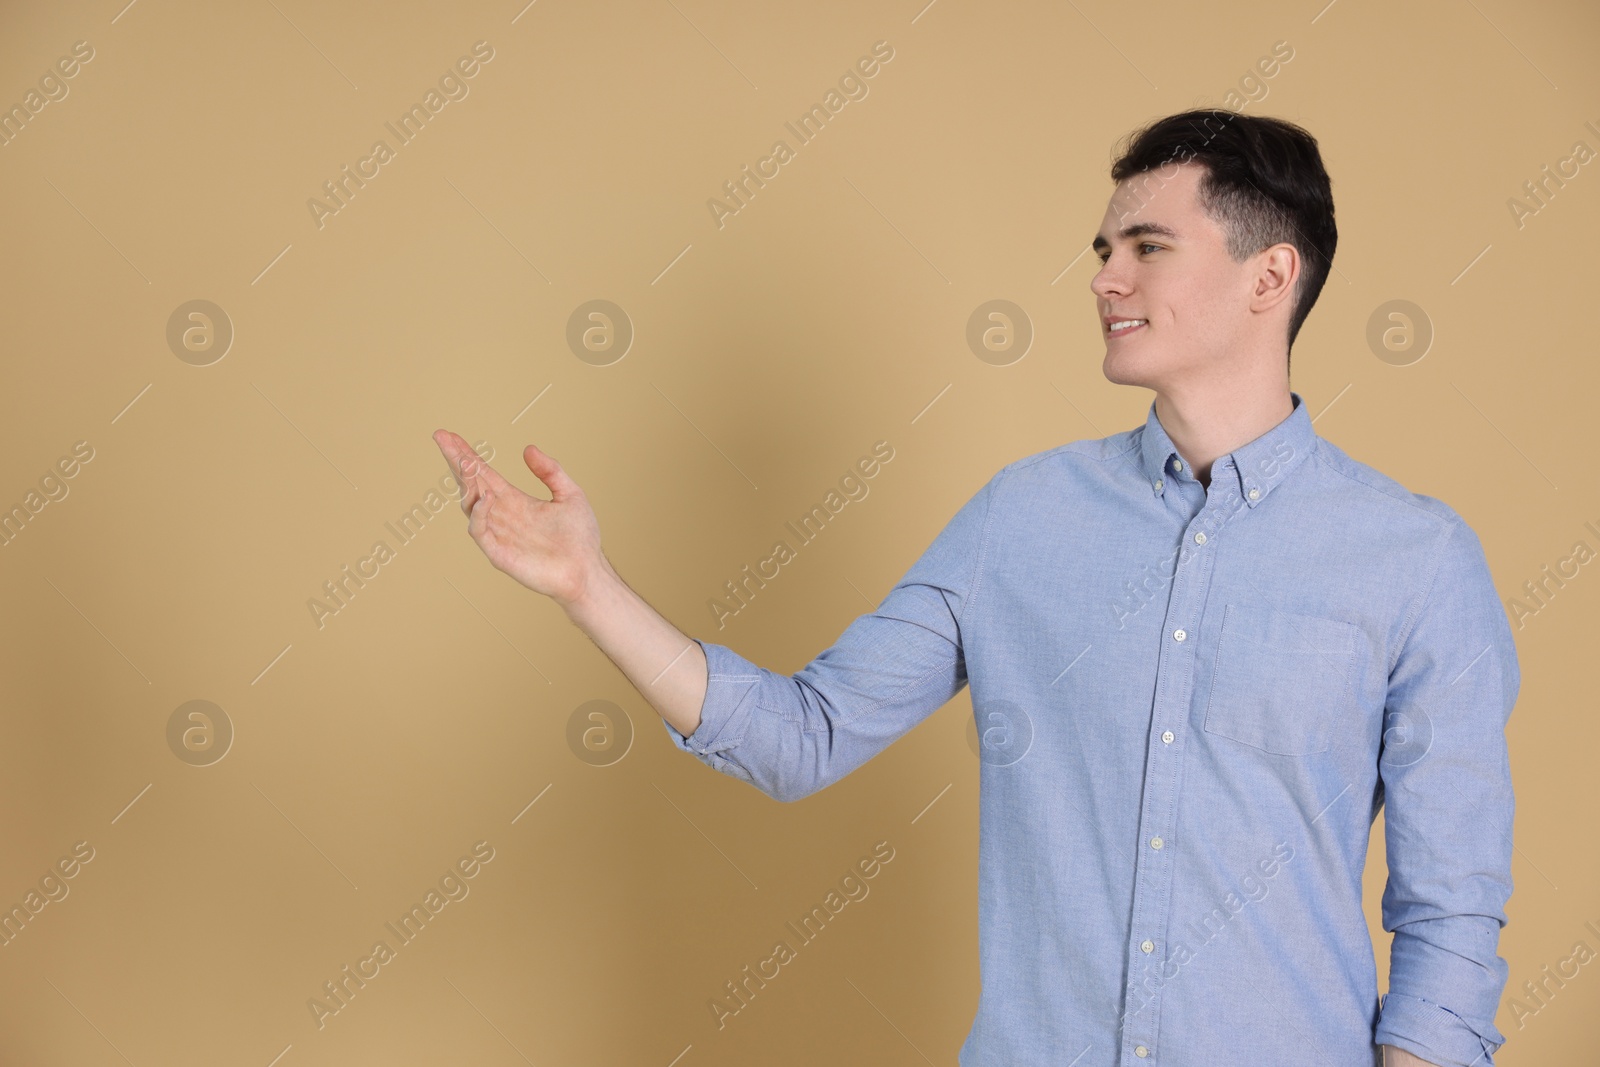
(1115, 326)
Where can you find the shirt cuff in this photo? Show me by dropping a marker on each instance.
(724, 714)
(1436, 1034)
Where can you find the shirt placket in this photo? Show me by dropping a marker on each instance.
(1169, 723)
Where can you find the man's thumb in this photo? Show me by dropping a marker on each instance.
(548, 471)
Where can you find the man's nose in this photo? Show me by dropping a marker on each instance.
(1108, 281)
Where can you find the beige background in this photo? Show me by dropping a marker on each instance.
(369, 754)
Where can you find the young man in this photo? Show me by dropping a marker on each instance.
(1203, 653)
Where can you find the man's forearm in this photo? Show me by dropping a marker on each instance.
(667, 668)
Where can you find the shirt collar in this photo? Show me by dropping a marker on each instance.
(1258, 465)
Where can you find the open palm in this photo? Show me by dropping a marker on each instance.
(550, 546)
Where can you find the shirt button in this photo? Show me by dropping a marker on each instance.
(1140, 1051)
(1179, 635)
(1155, 843)
(1166, 737)
(1254, 493)
(1177, 464)
(1199, 538)
(1147, 945)
(1158, 485)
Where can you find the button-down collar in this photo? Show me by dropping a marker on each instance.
(1258, 465)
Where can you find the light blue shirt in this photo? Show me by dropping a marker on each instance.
(1193, 701)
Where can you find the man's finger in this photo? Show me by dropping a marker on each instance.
(464, 467)
(467, 466)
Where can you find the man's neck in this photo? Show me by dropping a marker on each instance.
(1205, 425)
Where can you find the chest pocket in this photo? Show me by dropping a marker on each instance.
(1282, 681)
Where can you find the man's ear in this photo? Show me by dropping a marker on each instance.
(1277, 271)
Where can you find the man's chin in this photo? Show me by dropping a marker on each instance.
(1120, 370)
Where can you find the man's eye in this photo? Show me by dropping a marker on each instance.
(1103, 256)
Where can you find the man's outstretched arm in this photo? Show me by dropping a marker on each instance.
(787, 735)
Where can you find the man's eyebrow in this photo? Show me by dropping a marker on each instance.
(1138, 229)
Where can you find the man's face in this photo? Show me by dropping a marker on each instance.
(1163, 260)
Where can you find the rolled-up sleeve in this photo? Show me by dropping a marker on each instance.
(791, 735)
(1448, 809)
